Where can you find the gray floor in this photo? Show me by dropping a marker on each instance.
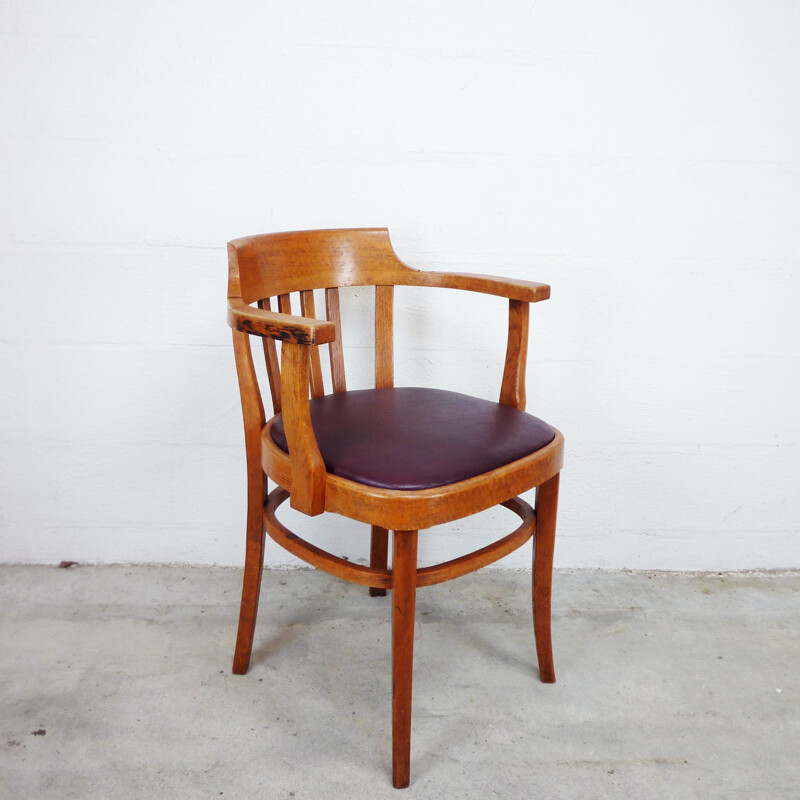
(116, 683)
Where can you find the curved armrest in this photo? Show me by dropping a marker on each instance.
(286, 327)
(513, 289)
(519, 294)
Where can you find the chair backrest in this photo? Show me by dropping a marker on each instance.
(267, 269)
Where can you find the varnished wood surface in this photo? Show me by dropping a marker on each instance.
(333, 312)
(378, 554)
(308, 310)
(307, 468)
(524, 291)
(377, 575)
(271, 359)
(285, 327)
(253, 416)
(277, 265)
(404, 593)
(463, 565)
(289, 262)
(384, 337)
(393, 509)
(379, 578)
(512, 392)
(544, 541)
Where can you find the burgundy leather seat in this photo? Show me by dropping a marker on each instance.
(413, 438)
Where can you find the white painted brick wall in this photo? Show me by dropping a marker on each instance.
(643, 158)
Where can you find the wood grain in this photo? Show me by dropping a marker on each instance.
(384, 337)
(285, 303)
(308, 310)
(378, 555)
(463, 565)
(285, 327)
(307, 467)
(253, 416)
(404, 593)
(277, 263)
(546, 512)
(512, 392)
(377, 576)
(261, 267)
(315, 556)
(524, 291)
(271, 359)
(288, 262)
(336, 352)
(392, 508)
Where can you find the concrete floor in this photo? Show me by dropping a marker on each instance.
(116, 684)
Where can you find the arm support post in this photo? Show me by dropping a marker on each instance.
(512, 392)
(307, 467)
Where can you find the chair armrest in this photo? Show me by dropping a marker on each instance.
(273, 324)
(519, 294)
(513, 289)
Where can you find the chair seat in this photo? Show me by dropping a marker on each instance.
(416, 438)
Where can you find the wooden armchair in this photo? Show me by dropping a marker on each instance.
(399, 459)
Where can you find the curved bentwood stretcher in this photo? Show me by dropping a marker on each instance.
(276, 265)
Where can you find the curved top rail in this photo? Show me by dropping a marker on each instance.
(280, 263)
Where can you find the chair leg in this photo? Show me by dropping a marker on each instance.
(546, 510)
(253, 570)
(404, 589)
(378, 550)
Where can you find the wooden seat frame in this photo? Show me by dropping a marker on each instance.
(262, 267)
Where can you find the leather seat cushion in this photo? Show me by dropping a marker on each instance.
(414, 438)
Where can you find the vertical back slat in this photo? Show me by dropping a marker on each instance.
(285, 307)
(384, 337)
(271, 358)
(335, 347)
(308, 310)
(285, 303)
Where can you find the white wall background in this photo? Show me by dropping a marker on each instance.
(643, 158)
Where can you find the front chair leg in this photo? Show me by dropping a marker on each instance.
(253, 570)
(404, 590)
(378, 547)
(546, 509)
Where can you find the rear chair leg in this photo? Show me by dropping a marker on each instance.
(404, 590)
(546, 510)
(253, 570)
(378, 550)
